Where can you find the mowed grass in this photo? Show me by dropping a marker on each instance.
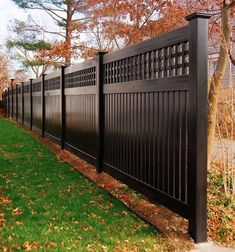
(47, 206)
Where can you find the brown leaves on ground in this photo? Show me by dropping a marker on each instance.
(2, 220)
(19, 223)
(4, 200)
(221, 209)
(86, 228)
(16, 211)
(29, 246)
(1, 214)
(26, 246)
(9, 155)
(170, 224)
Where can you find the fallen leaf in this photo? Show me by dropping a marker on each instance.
(28, 246)
(30, 203)
(17, 211)
(3, 222)
(5, 200)
(53, 244)
(19, 223)
(86, 228)
(4, 249)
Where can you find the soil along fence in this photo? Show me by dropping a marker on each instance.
(139, 114)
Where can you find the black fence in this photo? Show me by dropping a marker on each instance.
(139, 114)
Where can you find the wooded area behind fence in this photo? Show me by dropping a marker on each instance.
(139, 114)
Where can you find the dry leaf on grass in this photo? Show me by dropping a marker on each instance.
(5, 200)
(29, 246)
(2, 223)
(17, 211)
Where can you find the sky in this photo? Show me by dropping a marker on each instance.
(10, 11)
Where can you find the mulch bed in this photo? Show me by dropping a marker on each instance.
(167, 222)
(1, 113)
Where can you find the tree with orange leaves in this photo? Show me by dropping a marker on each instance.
(126, 22)
(117, 23)
(68, 15)
(4, 73)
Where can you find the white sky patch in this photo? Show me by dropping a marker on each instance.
(8, 11)
(46, 22)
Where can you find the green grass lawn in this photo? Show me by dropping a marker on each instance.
(47, 206)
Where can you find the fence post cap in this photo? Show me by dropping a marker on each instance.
(100, 53)
(198, 15)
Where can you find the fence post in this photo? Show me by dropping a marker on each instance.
(43, 103)
(16, 94)
(31, 104)
(198, 79)
(62, 108)
(8, 103)
(12, 99)
(22, 102)
(99, 111)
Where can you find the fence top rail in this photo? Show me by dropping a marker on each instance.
(26, 83)
(81, 66)
(39, 79)
(52, 75)
(164, 40)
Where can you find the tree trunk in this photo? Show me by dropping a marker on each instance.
(68, 31)
(215, 83)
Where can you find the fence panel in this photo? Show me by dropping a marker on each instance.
(9, 111)
(19, 103)
(14, 103)
(3, 102)
(146, 117)
(37, 105)
(52, 106)
(139, 113)
(80, 103)
(27, 104)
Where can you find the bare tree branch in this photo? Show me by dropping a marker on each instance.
(49, 32)
(232, 58)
